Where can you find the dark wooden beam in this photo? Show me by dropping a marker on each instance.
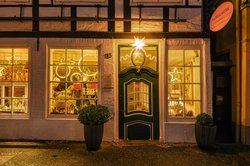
(35, 14)
(73, 16)
(114, 35)
(111, 15)
(127, 15)
(165, 17)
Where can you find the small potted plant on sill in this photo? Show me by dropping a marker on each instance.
(205, 131)
(93, 118)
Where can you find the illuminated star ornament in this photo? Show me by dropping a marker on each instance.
(174, 75)
(139, 44)
(1, 70)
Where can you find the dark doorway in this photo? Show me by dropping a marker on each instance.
(222, 109)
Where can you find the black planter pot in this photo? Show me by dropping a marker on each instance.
(205, 136)
(93, 136)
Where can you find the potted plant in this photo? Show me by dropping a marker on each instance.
(205, 131)
(93, 117)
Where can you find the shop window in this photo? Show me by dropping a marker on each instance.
(73, 81)
(184, 84)
(14, 79)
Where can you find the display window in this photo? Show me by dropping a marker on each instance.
(184, 83)
(14, 81)
(73, 80)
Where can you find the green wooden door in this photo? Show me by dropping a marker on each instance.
(138, 104)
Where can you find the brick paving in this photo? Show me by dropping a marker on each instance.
(60, 153)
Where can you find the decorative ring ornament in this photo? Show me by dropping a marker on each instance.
(67, 69)
(79, 67)
(138, 57)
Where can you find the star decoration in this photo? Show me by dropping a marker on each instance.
(138, 43)
(1, 70)
(174, 75)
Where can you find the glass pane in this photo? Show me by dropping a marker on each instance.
(192, 108)
(73, 106)
(73, 56)
(7, 91)
(20, 105)
(20, 56)
(75, 75)
(151, 57)
(20, 73)
(5, 105)
(125, 58)
(90, 90)
(175, 75)
(89, 73)
(175, 92)
(5, 56)
(192, 58)
(176, 108)
(89, 57)
(61, 72)
(175, 57)
(192, 74)
(57, 56)
(19, 91)
(138, 97)
(57, 90)
(57, 106)
(192, 91)
(5, 73)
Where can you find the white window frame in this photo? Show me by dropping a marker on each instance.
(27, 89)
(67, 116)
(202, 68)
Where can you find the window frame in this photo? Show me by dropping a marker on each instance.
(184, 47)
(16, 83)
(50, 116)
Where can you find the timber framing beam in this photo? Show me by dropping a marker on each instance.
(108, 35)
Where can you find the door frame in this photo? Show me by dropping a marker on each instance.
(161, 83)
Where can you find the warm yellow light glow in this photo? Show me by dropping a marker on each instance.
(139, 43)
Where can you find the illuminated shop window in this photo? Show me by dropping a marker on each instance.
(14, 79)
(184, 86)
(73, 80)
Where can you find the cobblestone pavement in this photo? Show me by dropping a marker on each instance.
(59, 153)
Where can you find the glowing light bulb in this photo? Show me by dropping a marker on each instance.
(139, 43)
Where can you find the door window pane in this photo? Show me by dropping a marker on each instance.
(138, 97)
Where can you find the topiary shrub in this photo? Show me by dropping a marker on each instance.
(94, 115)
(204, 119)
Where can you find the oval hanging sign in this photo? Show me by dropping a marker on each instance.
(221, 16)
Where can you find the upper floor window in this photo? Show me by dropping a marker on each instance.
(73, 80)
(15, 2)
(14, 79)
(184, 83)
(82, 1)
(158, 2)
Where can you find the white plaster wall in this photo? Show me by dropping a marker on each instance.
(38, 126)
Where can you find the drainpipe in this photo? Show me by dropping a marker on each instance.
(238, 69)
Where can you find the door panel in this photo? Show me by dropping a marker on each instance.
(138, 105)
